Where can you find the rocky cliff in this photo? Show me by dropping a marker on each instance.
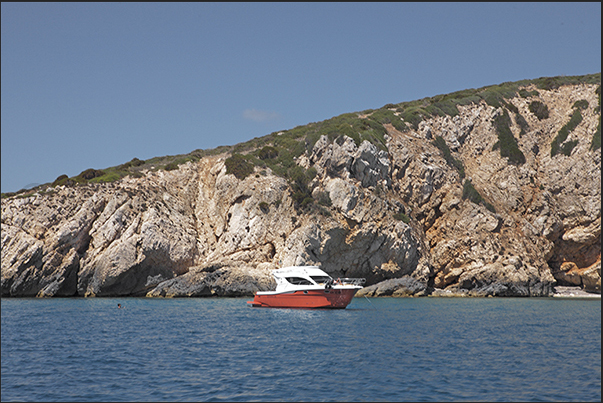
(494, 197)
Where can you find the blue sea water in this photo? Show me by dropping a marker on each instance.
(378, 349)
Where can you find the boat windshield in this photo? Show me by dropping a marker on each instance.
(298, 281)
(320, 279)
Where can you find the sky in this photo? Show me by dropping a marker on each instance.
(94, 85)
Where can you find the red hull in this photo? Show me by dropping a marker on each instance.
(333, 298)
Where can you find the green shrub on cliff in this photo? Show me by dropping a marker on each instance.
(495, 95)
(171, 166)
(299, 178)
(268, 153)
(372, 131)
(61, 180)
(238, 165)
(324, 199)
(469, 192)
(522, 123)
(443, 108)
(414, 116)
(90, 174)
(386, 116)
(264, 207)
(581, 104)
(596, 141)
(566, 148)
(402, 217)
(510, 106)
(107, 177)
(506, 141)
(564, 132)
(540, 110)
(440, 143)
(526, 94)
(135, 162)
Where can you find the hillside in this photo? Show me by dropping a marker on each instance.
(491, 191)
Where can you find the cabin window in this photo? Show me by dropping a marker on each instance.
(321, 279)
(298, 281)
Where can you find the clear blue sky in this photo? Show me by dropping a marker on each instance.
(95, 85)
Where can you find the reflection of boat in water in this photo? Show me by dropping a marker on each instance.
(307, 287)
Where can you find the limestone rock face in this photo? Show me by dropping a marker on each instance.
(397, 287)
(98, 240)
(398, 218)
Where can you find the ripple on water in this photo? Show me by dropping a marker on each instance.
(419, 349)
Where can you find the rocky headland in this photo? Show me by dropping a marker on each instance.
(489, 192)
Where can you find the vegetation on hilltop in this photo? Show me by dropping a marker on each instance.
(278, 151)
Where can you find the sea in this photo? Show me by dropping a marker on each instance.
(377, 349)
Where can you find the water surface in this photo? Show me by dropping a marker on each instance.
(378, 349)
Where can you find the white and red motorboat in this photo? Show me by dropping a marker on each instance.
(307, 287)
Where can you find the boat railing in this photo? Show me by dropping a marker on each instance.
(350, 281)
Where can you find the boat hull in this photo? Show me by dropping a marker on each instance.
(310, 299)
